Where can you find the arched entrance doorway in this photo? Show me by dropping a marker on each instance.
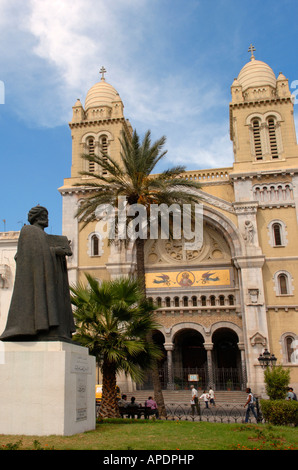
(190, 359)
(226, 360)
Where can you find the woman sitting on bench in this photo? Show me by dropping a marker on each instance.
(150, 403)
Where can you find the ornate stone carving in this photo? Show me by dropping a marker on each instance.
(249, 232)
(214, 249)
(258, 338)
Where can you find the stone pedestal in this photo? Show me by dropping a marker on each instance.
(46, 388)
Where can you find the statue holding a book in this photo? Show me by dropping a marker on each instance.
(40, 308)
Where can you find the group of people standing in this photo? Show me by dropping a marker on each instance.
(206, 396)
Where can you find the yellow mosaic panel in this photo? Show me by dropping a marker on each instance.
(191, 278)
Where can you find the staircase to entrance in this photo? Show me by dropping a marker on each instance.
(184, 396)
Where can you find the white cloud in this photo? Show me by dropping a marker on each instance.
(60, 46)
(61, 39)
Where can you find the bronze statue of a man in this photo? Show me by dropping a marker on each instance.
(40, 308)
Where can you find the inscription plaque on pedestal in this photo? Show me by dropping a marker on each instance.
(80, 367)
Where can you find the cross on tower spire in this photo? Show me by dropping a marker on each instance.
(102, 71)
(252, 49)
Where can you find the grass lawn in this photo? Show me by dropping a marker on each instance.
(133, 435)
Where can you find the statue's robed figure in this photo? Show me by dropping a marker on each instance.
(40, 307)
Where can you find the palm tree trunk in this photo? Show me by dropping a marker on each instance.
(140, 253)
(158, 395)
(109, 406)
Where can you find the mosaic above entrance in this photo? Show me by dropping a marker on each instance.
(193, 278)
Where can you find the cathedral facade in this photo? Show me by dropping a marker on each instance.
(222, 305)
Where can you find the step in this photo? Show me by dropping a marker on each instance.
(184, 396)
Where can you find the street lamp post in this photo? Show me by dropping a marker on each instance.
(267, 359)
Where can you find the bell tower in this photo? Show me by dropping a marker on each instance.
(262, 126)
(95, 128)
(98, 126)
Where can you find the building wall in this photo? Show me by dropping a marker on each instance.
(8, 248)
(241, 203)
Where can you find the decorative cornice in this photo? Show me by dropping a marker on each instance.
(96, 122)
(282, 307)
(263, 173)
(249, 262)
(67, 190)
(258, 102)
(246, 207)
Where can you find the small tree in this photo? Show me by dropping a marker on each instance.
(277, 380)
(113, 320)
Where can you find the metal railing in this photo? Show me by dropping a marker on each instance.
(222, 413)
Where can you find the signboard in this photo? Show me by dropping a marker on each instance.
(193, 377)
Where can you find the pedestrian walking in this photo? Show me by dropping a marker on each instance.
(194, 400)
(250, 403)
(212, 397)
(205, 397)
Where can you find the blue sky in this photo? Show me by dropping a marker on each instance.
(171, 61)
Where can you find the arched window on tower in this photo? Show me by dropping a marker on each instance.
(289, 343)
(272, 137)
(95, 245)
(90, 151)
(277, 231)
(277, 234)
(256, 128)
(104, 149)
(283, 284)
(289, 348)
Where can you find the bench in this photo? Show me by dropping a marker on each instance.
(132, 411)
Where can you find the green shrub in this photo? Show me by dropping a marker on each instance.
(280, 412)
(277, 380)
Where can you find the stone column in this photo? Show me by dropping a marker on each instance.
(254, 315)
(209, 347)
(250, 264)
(243, 366)
(169, 348)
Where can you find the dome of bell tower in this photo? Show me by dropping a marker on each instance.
(101, 94)
(256, 74)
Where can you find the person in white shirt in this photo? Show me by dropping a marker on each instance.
(205, 397)
(250, 403)
(194, 400)
(212, 397)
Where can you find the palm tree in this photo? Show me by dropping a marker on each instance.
(132, 178)
(113, 320)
